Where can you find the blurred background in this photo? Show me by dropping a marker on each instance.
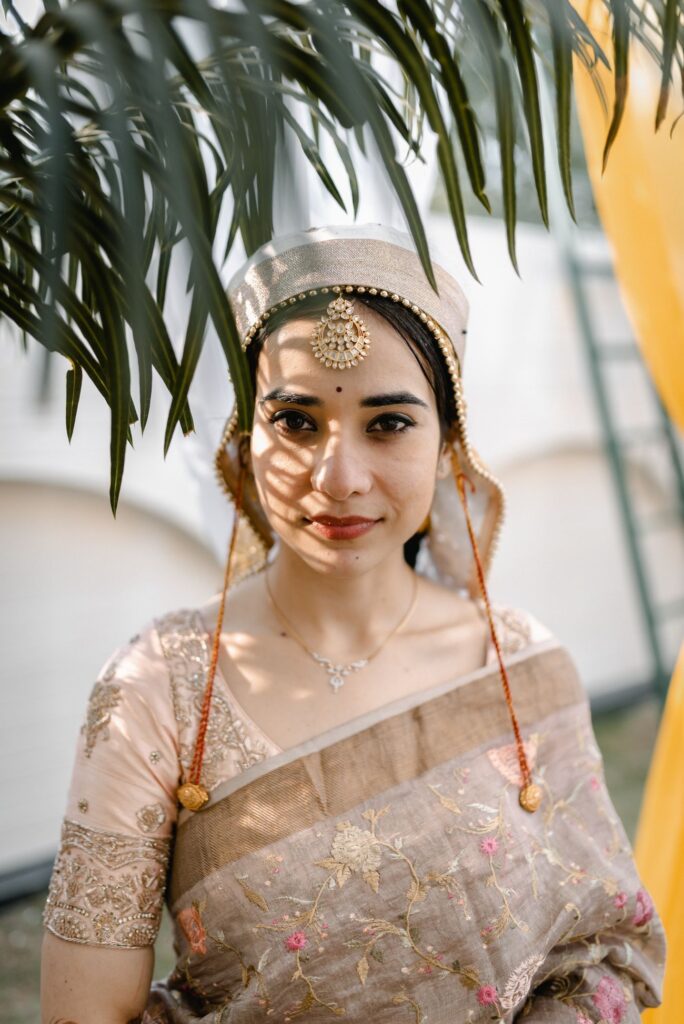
(561, 408)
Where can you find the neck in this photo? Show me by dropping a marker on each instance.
(342, 617)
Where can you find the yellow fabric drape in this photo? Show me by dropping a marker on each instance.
(659, 846)
(640, 200)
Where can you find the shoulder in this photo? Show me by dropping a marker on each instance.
(548, 679)
(144, 662)
(130, 709)
(516, 628)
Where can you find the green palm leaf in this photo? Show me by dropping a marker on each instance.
(521, 41)
(74, 379)
(671, 18)
(561, 39)
(487, 32)
(621, 49)
(418, 13)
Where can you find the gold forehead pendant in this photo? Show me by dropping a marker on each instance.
(340, 338)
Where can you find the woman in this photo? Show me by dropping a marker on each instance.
(385, 797)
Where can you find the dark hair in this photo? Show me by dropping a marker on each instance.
(417, 336)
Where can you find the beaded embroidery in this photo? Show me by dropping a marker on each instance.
(150, 817)
(106, 889)
(104, 697)
(231, 746)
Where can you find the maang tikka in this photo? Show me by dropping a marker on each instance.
(340, 338)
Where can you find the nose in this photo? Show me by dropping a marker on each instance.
(339, 470)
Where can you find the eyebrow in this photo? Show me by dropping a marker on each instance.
(282, 395)
(392, 398)
(371, 401)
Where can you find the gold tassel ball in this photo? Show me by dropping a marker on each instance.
(192, 796)
(530, 797)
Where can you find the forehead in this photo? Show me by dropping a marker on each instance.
(287, 357)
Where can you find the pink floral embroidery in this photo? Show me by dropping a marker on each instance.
(505, 759)
(644, 908)
(581, 1019)
(594, 783)
(489, 845)
(297, 940)
(621, 900)
(487, 994)
(190, 921)
(609, 1000)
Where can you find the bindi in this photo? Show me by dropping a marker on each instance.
(338, 389)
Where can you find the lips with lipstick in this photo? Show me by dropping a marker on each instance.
(342, 527)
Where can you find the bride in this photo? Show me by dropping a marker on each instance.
(361, 790)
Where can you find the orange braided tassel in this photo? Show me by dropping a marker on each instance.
(192, 794)
(530, 794)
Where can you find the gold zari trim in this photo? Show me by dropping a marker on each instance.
(231, 746)
(106, 889)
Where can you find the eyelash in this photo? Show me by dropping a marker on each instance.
(281, 416)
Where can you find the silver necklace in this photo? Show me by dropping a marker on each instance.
(336, 672)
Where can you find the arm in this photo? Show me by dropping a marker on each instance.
(106, 892)
(117, 989)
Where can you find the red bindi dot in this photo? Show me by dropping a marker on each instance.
(338, 389)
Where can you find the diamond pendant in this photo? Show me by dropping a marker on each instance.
(338, 672)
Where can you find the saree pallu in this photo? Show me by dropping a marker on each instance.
(384, 871)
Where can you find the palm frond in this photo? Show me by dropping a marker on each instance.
(128, 128)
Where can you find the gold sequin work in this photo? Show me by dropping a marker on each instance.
(150, 817)
(232, 744)
(106, 889)
(104, 697)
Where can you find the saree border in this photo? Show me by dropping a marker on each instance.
(357, 724)
(342, 768)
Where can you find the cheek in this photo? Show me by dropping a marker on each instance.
(409, 476)
(278, 471)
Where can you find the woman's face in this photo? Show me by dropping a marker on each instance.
(330, 445)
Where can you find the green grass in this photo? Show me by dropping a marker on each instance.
(626, 740)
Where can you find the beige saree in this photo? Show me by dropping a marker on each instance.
(383, 871)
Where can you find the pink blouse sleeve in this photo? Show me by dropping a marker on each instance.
(108, 880)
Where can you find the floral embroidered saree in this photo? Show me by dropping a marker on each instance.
(382, 871)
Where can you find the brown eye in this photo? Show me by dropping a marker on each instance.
(391, 423)
(291, 421)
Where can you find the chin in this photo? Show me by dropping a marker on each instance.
(345, 560)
